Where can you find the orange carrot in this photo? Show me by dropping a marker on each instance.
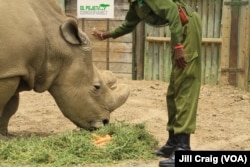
(97, 137)
(103, 140)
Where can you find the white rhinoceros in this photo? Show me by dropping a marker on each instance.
(41, 49)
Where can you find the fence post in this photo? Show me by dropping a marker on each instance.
(234, 47)
(138, 52)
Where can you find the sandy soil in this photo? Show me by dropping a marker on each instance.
(223, 118)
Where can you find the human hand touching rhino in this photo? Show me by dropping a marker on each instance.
(43, 50)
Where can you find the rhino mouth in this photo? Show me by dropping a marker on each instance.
(93, 125)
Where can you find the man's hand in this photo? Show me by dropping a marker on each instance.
(179, 57)
(101, 35)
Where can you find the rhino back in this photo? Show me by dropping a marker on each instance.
(28, 30)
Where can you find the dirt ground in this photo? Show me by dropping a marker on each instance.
(223, 118)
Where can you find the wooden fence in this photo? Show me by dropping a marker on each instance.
(158, 56)
(145, 53)
(111, 54)
(225, 44)
(235, 50)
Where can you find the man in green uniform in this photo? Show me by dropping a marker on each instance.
(184, 88)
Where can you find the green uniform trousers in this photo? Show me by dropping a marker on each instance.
(184, 88)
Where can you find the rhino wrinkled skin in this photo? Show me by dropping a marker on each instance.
(43, 50)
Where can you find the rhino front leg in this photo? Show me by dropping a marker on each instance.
(9, 101)
(9, 110)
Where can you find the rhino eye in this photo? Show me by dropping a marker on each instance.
(97, 87)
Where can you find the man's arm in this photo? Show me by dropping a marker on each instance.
(128, 26)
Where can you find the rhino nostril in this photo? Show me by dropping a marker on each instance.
(105, 121)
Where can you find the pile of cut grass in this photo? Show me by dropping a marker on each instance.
(75, 148)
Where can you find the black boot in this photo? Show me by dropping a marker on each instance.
(183, 144)
(169, 147)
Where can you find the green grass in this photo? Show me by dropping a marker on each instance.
(73, 148)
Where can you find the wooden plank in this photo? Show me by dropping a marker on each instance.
(155, 64)
(71, 7)
(158, 39)
(114, 46)
(239, 70)
(120, 57)
(200, 12)
(236, 3)
(243, 58)
(114, 57)
(225, 34)
(148, 56)
(120, 67)
(99, 46)
(138, 52)
(100, 65)
(168, 39)
(214, 65)
(121, 8)
(193, 4)
(115, 67)
(209, 48)
(199, 7)
(120, 47)
(99, 56)
(146, 61)
(161, 56)
(167, 60)
(234, 44)
(214, 40)
(216, 46)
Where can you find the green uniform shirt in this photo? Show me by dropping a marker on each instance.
(153, 12)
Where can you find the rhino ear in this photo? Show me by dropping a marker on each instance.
(69, 30)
